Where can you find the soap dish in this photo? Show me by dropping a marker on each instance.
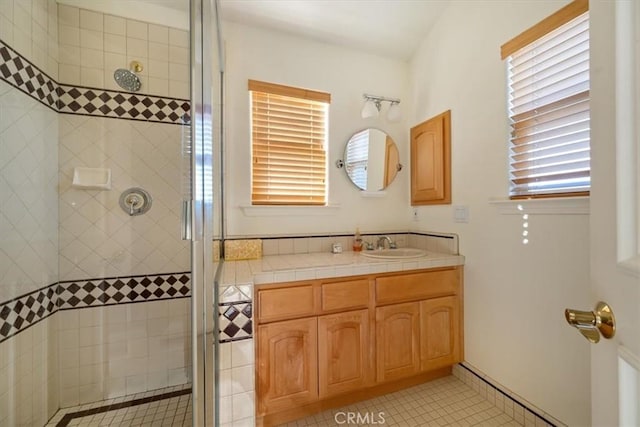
(92, 178)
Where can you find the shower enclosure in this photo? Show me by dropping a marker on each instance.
(107, 212)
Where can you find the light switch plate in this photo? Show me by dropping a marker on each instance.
(461, 214)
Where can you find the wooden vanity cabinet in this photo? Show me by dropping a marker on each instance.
(397, 341)
(326, 343)
(343, 352)
(440, 333)
(326, 351)
(423, 334)
(287, 364)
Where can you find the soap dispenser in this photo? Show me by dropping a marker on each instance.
(357, 241)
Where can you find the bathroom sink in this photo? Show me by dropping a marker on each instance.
(400, 253)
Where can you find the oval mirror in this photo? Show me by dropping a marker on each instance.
(371, 159)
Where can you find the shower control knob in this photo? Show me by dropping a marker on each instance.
(135, 201)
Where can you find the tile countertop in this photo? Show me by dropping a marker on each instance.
(287, 268)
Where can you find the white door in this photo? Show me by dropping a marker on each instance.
(615, 211)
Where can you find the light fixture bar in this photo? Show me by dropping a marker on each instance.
(380, 98)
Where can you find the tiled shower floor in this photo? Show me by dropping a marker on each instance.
(166, 407)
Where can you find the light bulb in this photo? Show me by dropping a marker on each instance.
(369, 109)
(394, 113)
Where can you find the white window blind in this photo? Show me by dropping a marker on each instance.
(549, 110)
(289, 133)
(357, 158)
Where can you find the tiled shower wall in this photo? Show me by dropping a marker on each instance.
(118, 336)
(28, 216)
(116, 350)
(93, 45)
(97, 238)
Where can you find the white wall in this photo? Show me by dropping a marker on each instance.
(346, 74)
(515, 294)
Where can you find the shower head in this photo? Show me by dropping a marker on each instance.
(128, 79)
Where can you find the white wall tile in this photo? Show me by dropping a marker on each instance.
(242, 379)
(90, 20)
(68, 15)
(91, 58)
(243, 405)
(242, 353)
(6, 28)
(179, 55)
(91, 77)
(115, 25)
(137, 30)
(159, 34)
(137, 48)
(68, 35)
(178, 38)
(6, 10)
(91, 39)
(115, 44)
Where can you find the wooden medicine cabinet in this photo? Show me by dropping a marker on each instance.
(431, 161)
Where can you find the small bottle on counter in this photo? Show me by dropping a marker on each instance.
(357, 241)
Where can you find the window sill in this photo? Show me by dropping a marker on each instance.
(547, 206)
(289, 210)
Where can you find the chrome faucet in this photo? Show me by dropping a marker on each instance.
(382, 239)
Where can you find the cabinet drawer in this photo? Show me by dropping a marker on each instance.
(345, 295)
(285, 303)
(411, 287)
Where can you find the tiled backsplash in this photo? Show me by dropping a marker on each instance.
(434, 242)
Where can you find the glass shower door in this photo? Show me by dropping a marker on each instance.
(204, 89)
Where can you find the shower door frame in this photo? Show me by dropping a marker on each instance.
(203, 16)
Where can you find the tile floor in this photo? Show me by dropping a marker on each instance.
(169, 407)
(443, 402)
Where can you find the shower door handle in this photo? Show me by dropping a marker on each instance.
(186, 225)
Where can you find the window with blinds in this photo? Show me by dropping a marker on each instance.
(289, 145)
(548, 71)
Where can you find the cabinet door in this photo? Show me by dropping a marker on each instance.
(397, 341)
(287, 364)
(431, 161)
(343, 352)
(440, 337)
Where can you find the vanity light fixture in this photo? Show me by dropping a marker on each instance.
(373, 105)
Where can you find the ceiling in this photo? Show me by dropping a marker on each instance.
(392, 28)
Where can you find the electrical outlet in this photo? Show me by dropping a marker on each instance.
(416, 216)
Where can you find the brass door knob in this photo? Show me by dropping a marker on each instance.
(592, 324)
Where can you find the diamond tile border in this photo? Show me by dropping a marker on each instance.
(122, 290)
(26, 77)
(20, 313)
(122, 105)
(235, 321)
